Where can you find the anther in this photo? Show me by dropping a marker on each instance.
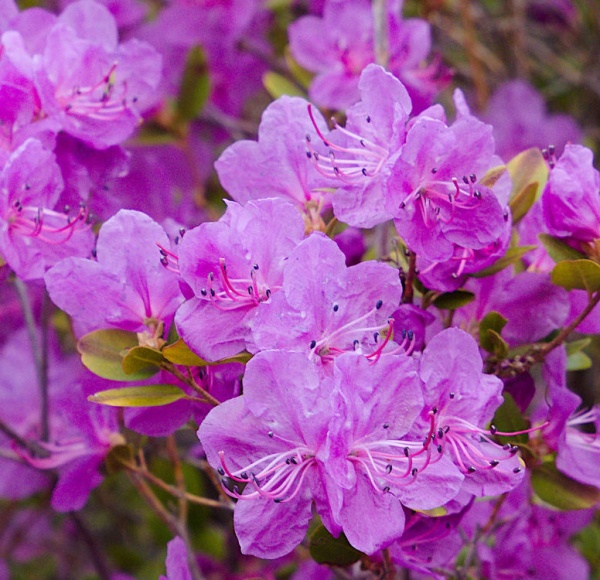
(465, 180)
(386, 425)
(364, 171)
(336, 307)
(434, 170)
(494, 462)
(414, 471)
(471, 469)
(386, 489)
(473, 178)
(212, 293)
(368, 119)
(379, 304)
(313, 343)
(255, 266)
(164, 261)
(388, 468)
(410, 334)
(181, 232)
(203, 292)
(221, 471)
(270, 434)
(517, 470)
(493, 429)
(439, 448)
(268, 293)
(478, 194)
(406, 451)
(452, 395)
(94, 253)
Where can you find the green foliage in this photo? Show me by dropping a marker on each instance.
(194, 89)
(529, 173)
(559, 250)
(577, 275)
(560, 491)
(490, 339)
(512, 256)
(508, 419)
(146, 396)
(278, 86)
(325, 549)
(453, 300)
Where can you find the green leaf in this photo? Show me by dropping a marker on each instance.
(454, 300)
(560, 491)
(578, 361)
(325, 549)
(179, 353)
(303, 76)
(508, 419)
(558, 250)
(577, 274)
(577, 345)
(278, 85)
(195, 85)
(101, 352)
(142, 360)
(490, 327)
(529, 174)
(512, 256)
(146, 396)
(492, 176)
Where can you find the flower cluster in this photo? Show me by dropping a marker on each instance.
(365, 351)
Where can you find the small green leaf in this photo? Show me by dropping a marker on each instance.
(179, 353)
(195, 85)
(453, 300)
(303, 76)
(119, 454)
(325, 549)
(499, 345)
(278, 85)
(577, 274)
(146, 396)
(508, 419)
(578, 361)
(560, 491)
(529, 174)
(577, 345)
(492, 176)
(512, 256)
(558, 250)
(142, 360)
(101, 353)
(490, 327)
(522, 202)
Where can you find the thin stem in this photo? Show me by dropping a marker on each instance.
(389, 570)
(481, 88)
(539, 352)
(179, 478)
(96, 553)
(39, 351)
(190, 381)
(32, 447)
(380, 30)
(409, 291)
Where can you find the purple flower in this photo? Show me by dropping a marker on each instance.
(360, 152)
(276, 166)
(80, 434)
(433, 190)
(126, 287)
(518, 114)
(295, 437)
(325, 308)
(340, 45)
(460, 401)
(571, 200)
(90, 84)
(233, 266)
(33, 236)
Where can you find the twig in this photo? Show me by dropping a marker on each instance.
(539, 352)
(39, 351)
(96, 553)
(409, 291)
(190, 381)
(481, 88)
(31, 446)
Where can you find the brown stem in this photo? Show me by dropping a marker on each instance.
(189, 380)
(481, 88)
(96, 553)
(389, 570)
(32, 447)
(179, 478)
(539, 352)
(409, 291)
